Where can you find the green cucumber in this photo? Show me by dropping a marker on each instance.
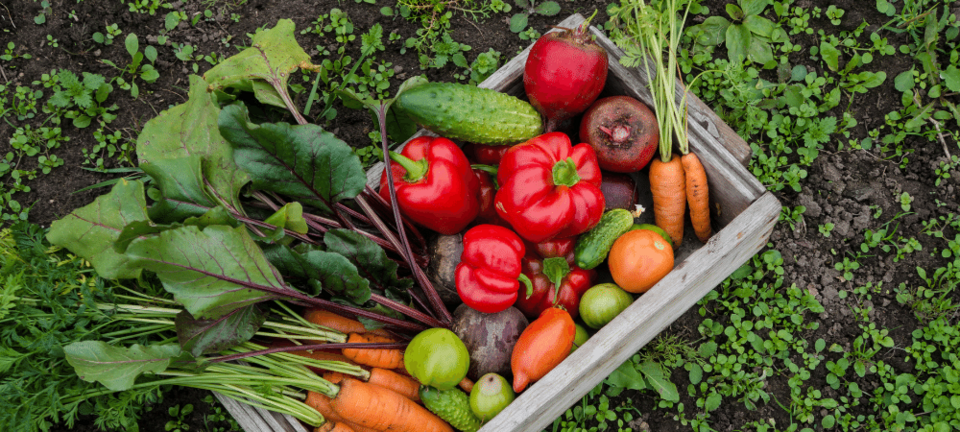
(470, 113)
(592, 248)
(452, 405)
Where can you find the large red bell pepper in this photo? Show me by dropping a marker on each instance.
(549, 188)
(487, 276)
(555, 283)
(435, 185)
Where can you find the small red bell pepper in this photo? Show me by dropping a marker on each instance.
(489, 269)
(549, 189)
(435, 185)
(485, 154)
(558, 247)
(554, 283)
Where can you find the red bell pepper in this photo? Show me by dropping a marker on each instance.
(489, 269)
(558, 247)
(549, 189)
(435, 185)
(485, 154)
(555, 283)
(488, 190)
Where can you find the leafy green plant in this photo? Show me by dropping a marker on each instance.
(825, 229)
(9, 53)
(178, 424)
(111, 32)
(527, 8)
(433, 43)
(44, 10)
(83, 100)
(136, 69)
(145, 6)
(847, 266)
(834, 13)
(793, 216)
(747, 37)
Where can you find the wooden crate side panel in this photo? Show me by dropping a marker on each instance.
(642, 321)
(254, 419)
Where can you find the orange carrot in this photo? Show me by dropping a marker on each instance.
(698, 195)
(334, 377)
(381, 358)
(334, 427)
(379, 408)
(404, 385)
(466, 385)
(321, 403)
(324, 355)
(338, 322)
(669, 196)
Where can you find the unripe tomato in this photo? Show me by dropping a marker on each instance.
(438, 358)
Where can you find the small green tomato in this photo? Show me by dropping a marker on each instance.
(602, 303)
(490, 395)
(437, 357)
(580, 337)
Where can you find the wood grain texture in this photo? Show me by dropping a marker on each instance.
(253, 419)
(689, 281)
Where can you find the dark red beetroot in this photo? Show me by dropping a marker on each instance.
(564, 74)
(623, 131)
(619, 191)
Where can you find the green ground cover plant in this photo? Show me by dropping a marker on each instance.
(788, 76)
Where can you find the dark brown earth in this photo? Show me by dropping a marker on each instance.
(841, 186)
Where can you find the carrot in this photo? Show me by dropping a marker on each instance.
(404, 385)
(466, 385)
(321, 403)
(381, 358)
(334, 427)
(324, 355)
(338, 322)
(698, 195)
(669, 196)
(379, 408)
(334, 377)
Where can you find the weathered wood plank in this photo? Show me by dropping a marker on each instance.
(726, 251)
(254, 419)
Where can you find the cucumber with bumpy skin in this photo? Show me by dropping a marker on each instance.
(472, 114)
(592, 248)
(452, 405)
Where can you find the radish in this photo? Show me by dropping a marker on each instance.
(564, 74)
(623, 132)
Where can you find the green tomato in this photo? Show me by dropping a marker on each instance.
(602, 303)
(490, 395)
(437, 357)
(580, 337)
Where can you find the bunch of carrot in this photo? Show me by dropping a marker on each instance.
(675, 180)
(387, 399)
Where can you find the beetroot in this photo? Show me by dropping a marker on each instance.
(619, 191)
(623, 132)
(564, 74)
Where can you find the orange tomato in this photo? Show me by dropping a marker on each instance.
(639, 259)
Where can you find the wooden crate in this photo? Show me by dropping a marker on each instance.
(744, 214)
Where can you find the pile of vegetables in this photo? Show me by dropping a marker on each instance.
(298, 287)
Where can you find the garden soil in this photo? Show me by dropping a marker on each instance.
(845, 188)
